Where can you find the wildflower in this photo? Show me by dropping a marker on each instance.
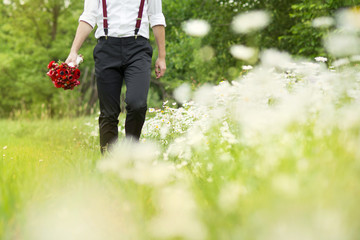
(250, 21)
(177, 204)
(196, 27)
(274, 58)
(182, 93)
(342, 44)
(247, 67)
(349, 19)
(230, 194)
(242, 52)
(355, 58)
(341, 62)
(323, 22)
(151, 110)
(321, 59)
(5, 147)
(204, 95)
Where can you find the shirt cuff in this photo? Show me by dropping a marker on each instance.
(157, 19)
(88, 19)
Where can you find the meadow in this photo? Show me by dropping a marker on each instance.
(255, 158)
(271, 154)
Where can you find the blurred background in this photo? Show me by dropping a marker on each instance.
(32, 33)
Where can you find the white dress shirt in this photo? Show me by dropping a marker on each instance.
(122, 15)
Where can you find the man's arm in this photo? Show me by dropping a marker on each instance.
(82, 32)
(160, 65)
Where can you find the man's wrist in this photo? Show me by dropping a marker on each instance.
(72, 51)
(162, 56)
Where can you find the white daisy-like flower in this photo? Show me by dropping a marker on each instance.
(196, 27)
(323, 22)
(247, 67)
(250, 21)
(349, 19)
(342, 44)
(321, 59)
(182, 94)
(242, 52)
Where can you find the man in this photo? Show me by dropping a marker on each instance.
(123, 53)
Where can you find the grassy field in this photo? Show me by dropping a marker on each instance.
(38, 156)
(201, 172)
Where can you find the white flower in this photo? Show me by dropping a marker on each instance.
(242, 52)
(323, 22)
(250, 21)
(151, 110)
(274, 58)
(177, 216)
(321, 59)
(247, 67)
(196, 27)
(342, 44)
(76, 214)
(349, 19)
(204, 95)
(5, 147)
(230, 194)
(341, 62)
(182, 94)
(355, 58)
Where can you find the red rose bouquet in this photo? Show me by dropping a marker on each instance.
(64, 75)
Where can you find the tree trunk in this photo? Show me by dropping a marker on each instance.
(55, 14)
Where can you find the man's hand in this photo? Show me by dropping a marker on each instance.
(160, 67)
(72, 58)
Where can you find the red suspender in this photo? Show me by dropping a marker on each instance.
(105, 18)
(138, 20)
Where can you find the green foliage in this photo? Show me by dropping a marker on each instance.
(32, 33)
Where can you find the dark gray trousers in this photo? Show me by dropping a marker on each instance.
(117, 60)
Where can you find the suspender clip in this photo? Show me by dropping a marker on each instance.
(136, 32)
(106, 31)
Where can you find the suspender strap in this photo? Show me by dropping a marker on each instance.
(106, 27)
(138, 20)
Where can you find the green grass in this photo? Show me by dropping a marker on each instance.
(39, 156)
(293, 182)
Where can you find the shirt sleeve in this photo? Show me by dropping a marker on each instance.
(156, 17)
(90, 12)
